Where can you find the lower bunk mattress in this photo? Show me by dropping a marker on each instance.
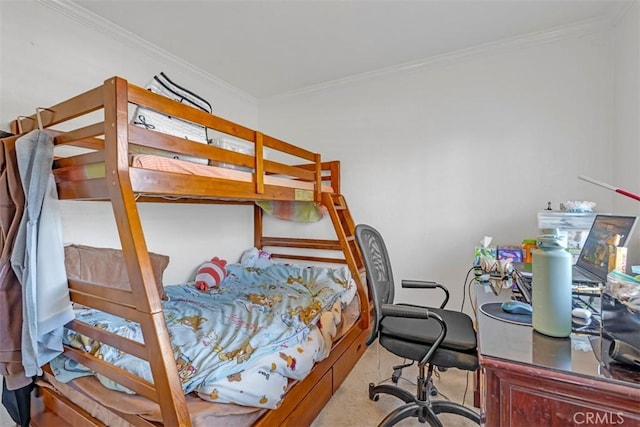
(239, 346)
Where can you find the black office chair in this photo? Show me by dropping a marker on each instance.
(433, 337)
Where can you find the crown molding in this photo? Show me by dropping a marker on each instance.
(621, 10)
(95, 22)
(579, 29)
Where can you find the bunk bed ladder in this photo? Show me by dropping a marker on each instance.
(345, 229)
(344, 225)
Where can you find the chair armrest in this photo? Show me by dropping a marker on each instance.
(427, 284)
(408, 311)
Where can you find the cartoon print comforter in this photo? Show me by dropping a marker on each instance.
(241, 342)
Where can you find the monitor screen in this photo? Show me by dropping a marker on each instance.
(606, 231)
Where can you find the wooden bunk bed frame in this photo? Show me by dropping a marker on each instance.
(111, 141)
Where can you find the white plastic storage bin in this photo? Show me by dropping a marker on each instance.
(573, 226)
(566, 220)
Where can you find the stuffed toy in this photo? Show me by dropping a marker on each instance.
(257, 258)
(210, 274)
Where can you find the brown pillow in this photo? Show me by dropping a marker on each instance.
(106, 266)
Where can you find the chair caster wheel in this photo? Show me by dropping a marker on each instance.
(373, 396)
(433, 390)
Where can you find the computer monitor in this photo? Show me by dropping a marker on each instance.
(606, 231)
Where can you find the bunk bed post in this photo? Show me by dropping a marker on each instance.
(334, 168)
(257, 226)
(167, 384)
(318, 178)
(259, 168)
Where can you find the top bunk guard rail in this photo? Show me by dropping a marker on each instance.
(82, 175)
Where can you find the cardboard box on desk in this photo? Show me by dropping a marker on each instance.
(513, 253)
(618, 259)
(490, 252)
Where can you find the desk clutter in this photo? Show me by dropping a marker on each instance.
(520, 313)
(621, 318)
(573, 229)
(546, 289)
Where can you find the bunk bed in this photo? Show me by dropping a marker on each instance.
(124, 163)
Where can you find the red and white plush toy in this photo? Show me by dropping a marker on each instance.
(210, 274)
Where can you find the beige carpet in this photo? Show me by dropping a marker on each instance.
(350, 406)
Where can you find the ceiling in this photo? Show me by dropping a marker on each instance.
(267, 48)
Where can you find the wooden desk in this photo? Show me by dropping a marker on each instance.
(529, 379)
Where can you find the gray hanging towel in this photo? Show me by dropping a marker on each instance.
(38, 255)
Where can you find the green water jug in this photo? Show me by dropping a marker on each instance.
(551, 287)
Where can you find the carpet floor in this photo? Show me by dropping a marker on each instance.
(351, 406)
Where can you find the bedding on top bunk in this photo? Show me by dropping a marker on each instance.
(167, 164)
(240, 343)
(301, 211)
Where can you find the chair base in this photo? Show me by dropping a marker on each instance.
(394, 390)
(425, 410)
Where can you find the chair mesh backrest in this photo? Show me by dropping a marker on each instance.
(379, 274)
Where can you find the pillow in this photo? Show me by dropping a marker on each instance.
(257, 258)
(211, 274)
(106, 266)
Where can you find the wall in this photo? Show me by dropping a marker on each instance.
(626, 124)
(441, 154)
(47, 56)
